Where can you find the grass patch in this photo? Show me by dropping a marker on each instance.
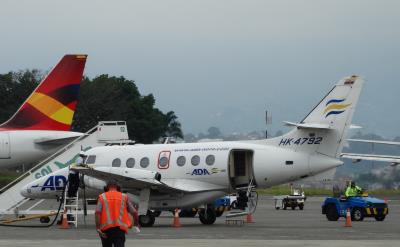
(384, 192)
(7, 177)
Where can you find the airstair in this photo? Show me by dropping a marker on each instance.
(105, 133)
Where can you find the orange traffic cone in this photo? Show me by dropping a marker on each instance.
(249, 218)
(177, 222)
(348, 219)
(64, 221)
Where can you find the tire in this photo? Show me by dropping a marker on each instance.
(357, 214)
(331, 213)
(301, 206)
(293, 207)
(147, 220)
(380, 217)
(44, 219)
(277, 208)
(209, 218)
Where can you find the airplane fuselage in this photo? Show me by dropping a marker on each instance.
(18, 147)
(218, 167)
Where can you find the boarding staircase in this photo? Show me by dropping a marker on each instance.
(251, 204)
(105, 133)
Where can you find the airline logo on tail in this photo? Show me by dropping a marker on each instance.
(335, 107)
(52, 105)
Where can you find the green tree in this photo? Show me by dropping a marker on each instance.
(214, 132)
(15, 87)
(174, 126)
(106, 98)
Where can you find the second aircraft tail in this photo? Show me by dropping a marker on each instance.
(52, 105)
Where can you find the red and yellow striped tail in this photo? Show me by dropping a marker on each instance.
(52, 105)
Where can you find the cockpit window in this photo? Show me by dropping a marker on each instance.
(91, 159)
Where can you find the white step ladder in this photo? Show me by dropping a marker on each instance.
(71, 207)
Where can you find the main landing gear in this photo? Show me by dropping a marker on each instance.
(207, 215)
(147, 220)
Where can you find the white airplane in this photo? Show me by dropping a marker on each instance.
(41, 125)
(357, 157)
(191, 175)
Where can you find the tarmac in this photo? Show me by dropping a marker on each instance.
(271, 227)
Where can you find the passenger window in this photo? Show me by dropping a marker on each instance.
(210, 160)
(181, 161)
(195, 160)
(91, 159)
(144, 162)
(289, 162)
(116, 163)
(130, 163)
(163, 161)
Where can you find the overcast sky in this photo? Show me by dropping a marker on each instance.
(221, 63)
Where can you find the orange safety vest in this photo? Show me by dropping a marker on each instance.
(114, 212)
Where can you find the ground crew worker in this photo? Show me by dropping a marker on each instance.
(113, 216)
(353, 190)
(73, 176)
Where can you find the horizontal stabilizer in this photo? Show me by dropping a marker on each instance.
(54, 140)
(371, 157)
(308, 125)
(375, 142)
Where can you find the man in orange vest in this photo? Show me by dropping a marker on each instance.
(113, 216)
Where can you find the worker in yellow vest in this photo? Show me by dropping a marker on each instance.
(353, 190)
(113, 216)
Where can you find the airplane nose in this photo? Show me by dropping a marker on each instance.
(24, 191)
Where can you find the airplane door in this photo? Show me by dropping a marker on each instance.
(4, 145)
(163, 159)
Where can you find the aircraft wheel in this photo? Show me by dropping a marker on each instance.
(207, 218)
(147, 220)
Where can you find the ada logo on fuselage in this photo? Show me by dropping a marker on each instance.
(55, 183)
(200, 172)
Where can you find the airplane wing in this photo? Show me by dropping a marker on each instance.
(373, 157)
(374, 142)
(58, 140)
(138, 179)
